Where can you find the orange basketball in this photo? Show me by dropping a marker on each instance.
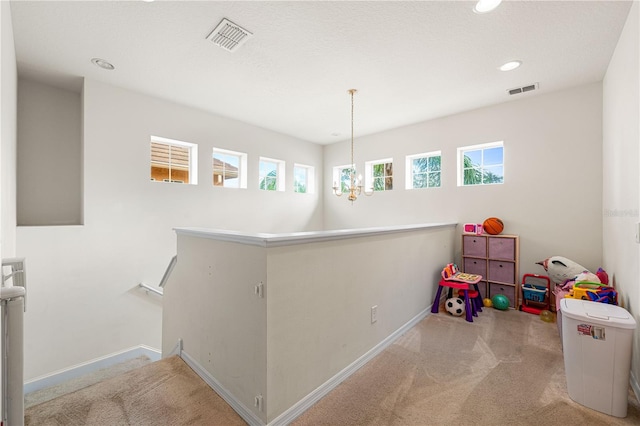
(493, 226)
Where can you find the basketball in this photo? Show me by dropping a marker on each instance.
(493, 226)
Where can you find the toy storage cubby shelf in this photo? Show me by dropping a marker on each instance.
(495, 257)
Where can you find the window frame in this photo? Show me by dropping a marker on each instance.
(369, 179)
(193, 158)
(309, 178)
(242, 167)
(280, 173)
(483, 146)
(337, 177)
(409, 175)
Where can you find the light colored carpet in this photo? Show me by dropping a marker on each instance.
(166, 392)
(505, 368)
(47, 394)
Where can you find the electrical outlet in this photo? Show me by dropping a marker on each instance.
(374, 314)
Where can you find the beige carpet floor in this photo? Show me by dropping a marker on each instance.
(165, 392)
(505, 368)
(81, 382)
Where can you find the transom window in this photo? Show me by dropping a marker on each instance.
(481, 164)
(173, 161)
(423, 170)
(303, 178)
(379, 174)
(229, 168)
(271, 174)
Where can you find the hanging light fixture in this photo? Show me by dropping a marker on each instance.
(355, 183)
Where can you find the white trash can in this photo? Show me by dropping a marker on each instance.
(597, 341)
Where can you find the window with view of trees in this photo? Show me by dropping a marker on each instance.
(423, 170)
(302, 178)
(271, 174)
(481, 164)
(379, 174)
(229, 168)
(173, 161)
(342, 177)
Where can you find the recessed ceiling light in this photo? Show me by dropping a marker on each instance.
(484, 6)
(103, 64)
(511, 65)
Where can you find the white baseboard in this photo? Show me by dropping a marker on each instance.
(633, 380)
(61, 376)
(246, 414)
(305, 403)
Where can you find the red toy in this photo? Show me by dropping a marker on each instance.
(535, 293)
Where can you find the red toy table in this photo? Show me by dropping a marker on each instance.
(449, 282)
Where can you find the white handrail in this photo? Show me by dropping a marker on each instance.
(165, 277)
(151, 289)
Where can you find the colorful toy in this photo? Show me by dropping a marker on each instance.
(535, 293)
(455, 306)
(602, 276)
(451, 273)
(493, 226)
(473, 228)
(500, 302)
(581, 288)
(487, 302)
(604, 295)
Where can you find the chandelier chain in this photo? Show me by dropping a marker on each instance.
(353, 171)
(355, 184)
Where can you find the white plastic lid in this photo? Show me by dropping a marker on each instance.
(597, 313)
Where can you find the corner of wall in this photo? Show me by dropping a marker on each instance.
(8, 123)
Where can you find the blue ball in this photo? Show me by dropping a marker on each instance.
(500, 301)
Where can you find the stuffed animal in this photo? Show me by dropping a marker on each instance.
(560, 269)
(588, 277)
(603, 276)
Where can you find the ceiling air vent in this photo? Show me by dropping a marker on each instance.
(523, 89)
(228, 35)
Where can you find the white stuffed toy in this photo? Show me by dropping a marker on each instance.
(561, 269)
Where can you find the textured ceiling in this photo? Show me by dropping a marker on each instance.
(410, 61)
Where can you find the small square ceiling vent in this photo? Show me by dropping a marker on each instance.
(229, 36)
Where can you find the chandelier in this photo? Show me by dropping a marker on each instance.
(355, 183)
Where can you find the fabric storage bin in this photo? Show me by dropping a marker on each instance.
(507, 290)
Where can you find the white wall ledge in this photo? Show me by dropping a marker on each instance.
(286, 239)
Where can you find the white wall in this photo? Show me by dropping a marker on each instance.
(319, 325)
(552, 191)
(315, 317)
(8, 89)
(210, 304)
(49, 155)
(621, 181)
(83, 300)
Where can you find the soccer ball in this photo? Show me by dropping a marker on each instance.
(455, 306)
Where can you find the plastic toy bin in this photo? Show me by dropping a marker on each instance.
(534, 293)
(597, 341)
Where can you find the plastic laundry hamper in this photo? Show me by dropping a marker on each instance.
(597, 342)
